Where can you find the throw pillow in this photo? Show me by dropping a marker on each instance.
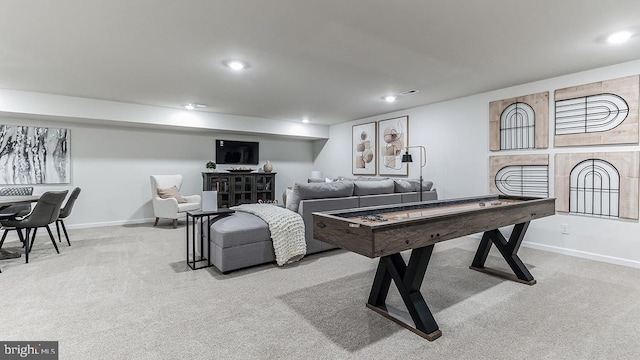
(286, 195)
(171, 192)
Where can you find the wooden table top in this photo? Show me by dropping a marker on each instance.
(383, 230)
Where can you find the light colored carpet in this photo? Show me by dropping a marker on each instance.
(125, 293)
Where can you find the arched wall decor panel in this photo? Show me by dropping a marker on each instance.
(587, 114)
(520, 175)
(519, 123)
(523, 180)
(594, 188)
(602, 184)
(517, 127)
(599, 113)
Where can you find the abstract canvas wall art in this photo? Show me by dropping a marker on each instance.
(393, 139)
(519, 175)
(602, 184)
(600, 113)
(34, 155)
(519, 123)
(363, 149)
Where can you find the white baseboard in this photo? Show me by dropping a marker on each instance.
(584, 254)
(110, 223)
(577, 253)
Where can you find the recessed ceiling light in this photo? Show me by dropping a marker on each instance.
(619, 37)
(305, 121)
(193, 106)
(390, 98)
(236, 65)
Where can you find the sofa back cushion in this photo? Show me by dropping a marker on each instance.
(411, 185)
(370, 178)
(321, 180)
(361, 188)
(302, 191)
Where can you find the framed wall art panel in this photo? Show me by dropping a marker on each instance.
(519, 175)
(600, 184)
(363, 149)
(393, 137)
(519, 123)
(601, 113)
(34, 155)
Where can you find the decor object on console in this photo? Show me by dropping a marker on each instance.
(393, 137)
(170, 208)
(363, 147)
(34, 155)
(406, 158)
(267, 167)
(211, 165)
(240, 188)
(240, 170)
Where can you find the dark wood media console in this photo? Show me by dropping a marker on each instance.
(240, 188)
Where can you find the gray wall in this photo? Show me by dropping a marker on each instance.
(112, 166)
(456, 136)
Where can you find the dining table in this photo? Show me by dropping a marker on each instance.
(5, 202)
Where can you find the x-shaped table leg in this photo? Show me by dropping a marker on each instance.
(408, 278)
(508, 249)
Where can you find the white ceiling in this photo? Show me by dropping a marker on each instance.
(327, 60)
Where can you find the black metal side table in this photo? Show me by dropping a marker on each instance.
(200, 215)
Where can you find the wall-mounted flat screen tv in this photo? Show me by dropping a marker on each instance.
(237, 152)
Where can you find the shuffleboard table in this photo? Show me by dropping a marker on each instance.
(385, 231)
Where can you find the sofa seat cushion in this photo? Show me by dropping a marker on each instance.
(239, 229)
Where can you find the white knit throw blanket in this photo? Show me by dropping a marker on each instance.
(286, 227)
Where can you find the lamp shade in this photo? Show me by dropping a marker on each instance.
(406, 158)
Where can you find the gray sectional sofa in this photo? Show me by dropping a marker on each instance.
(243, 240)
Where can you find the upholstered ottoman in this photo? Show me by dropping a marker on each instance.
(240, 240)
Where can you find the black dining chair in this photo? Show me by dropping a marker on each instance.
(66, 211)
(44, 213)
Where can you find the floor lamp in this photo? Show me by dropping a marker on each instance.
(406, 158)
